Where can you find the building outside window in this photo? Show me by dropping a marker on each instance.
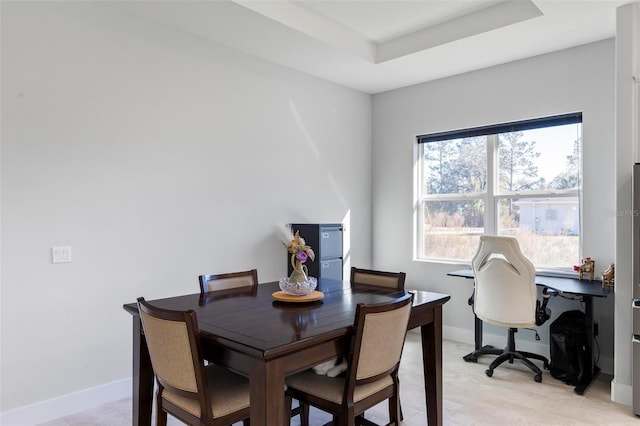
(522, 179)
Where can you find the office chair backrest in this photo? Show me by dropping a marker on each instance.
(505, 291)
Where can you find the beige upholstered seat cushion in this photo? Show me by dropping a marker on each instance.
(332, 388)
(229, 392)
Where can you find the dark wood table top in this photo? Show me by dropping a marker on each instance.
(252, 322)
(250, 332)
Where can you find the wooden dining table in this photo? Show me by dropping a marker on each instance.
(250, 332)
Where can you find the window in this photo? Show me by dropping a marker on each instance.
(521, 179)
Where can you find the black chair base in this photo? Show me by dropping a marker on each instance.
(485, 350)
(509, 354)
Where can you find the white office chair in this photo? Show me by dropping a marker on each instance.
(505, 294)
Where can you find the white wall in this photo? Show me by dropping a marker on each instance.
(157, 157)
(577, 79)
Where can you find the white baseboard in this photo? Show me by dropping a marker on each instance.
(65, 405)
(621, 393)
(464, 335)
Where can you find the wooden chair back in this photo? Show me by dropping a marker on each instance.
(228, 280)
(377, 278)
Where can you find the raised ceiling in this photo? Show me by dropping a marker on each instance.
(379, 45)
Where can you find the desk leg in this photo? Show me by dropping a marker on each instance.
(432, 366)
(477, 326)
(477, 330)
(267, 393)
(477, 334)
(142, 377)
(592, 370)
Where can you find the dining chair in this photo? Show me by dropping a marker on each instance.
(228, 280)
(377, 278)
(374, 359)
(187, 389)
(236, 280)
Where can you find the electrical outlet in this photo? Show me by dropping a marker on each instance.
(61, 254)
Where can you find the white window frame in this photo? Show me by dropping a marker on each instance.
(492, 196)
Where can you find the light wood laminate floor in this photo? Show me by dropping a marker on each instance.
(511, 397)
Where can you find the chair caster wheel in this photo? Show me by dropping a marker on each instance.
(538, 378)
(488, 372)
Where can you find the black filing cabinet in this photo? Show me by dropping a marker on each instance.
(326, 242)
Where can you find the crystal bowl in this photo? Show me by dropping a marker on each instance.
(298, 289)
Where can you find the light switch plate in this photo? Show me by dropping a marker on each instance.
(61, 254)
